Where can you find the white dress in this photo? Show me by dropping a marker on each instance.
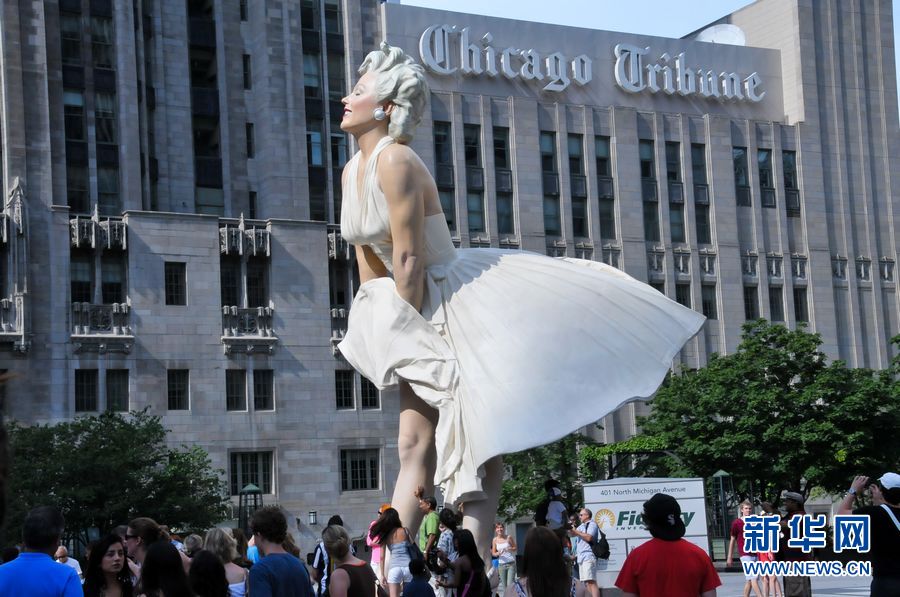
(533, 345)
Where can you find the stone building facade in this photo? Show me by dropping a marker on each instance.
(171, 175)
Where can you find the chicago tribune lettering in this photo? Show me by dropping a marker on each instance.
(438, 42)
(634, 75)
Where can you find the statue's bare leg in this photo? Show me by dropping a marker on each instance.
(480, 516)
(415, 444)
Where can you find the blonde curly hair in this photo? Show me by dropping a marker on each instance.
(402, 82)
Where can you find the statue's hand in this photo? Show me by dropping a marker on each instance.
(419, 492)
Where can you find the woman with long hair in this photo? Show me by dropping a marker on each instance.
(351, 577)
(107, 575)
(207, 575)
(222, 544)
(544, 571)
(469, 577)
(391, 535)
(162, 574)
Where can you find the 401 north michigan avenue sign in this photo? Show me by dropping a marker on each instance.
(449, 49)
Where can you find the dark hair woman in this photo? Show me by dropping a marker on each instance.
(390, 533)
(162, 574)
(544, 572)
(107, 574)
(469, 578)
(207, 575)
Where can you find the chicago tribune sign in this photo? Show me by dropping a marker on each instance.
(448, 49)
(439, 43)
(634, 75)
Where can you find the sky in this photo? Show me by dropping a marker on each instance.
(665, 18)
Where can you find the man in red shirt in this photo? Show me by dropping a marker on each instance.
(667, 564)
(737, 537)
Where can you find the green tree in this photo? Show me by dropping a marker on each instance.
(523, 490)
(103, 470)
(776, 414)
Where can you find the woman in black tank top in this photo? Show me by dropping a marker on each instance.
(351, 576)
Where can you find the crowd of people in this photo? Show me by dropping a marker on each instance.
(439, 559)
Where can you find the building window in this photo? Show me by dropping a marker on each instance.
(791, 184)
(369, 396)
(248, 78)
(312, 76)
(704, 229)
(339, 151)
(102, 40)
(503, 174)
(263, 389)
(81, 275)
(676, 222)
(651, 221)
(236, 389)
(443, 145)
(337, 82)
(105, 117)
(475, 207)
(333, 23)
(251, 141)
(698, 163)
(73, 114)
(505, 219)
(448, 204)
(257, 282)
(605, 187)
(343, 389)
(550, 181)
(230, 280)
(548, 152)
(243, 9)
(309, 15)
(708, 296)
(86, 390)
(659, 287)
(314, 140)
(251, 467)
(576, 154)
(766, 179)
(108, 191)
(683, 294)
(751, 303)
(501, 148)
(645, 152)
(178, 389)
(471, 144)
(112, 278)
(579, 217)
(673, 161)
(359, 469)
(741, 181)
(801, 306)
(176, 283)
(776, 303)
(117, 390)
(70, 37)
(251, 205)
(77, 189)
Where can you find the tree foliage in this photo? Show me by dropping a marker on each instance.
(103, 470)
(523, 490)
(776, 414)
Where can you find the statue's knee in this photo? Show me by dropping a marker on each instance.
(412, 447)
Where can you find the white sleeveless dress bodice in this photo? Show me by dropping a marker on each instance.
(514, 349)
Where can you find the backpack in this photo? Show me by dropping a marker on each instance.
(540, 514)
(600, 547)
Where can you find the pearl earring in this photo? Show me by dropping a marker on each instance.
(378, 113)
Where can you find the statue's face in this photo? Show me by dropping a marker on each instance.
(360, 104)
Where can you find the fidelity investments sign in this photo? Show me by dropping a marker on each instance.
(448, 49)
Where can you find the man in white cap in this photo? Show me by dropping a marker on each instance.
(794, 586)
(884, 523)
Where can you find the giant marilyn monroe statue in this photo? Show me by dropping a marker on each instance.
(494, 351)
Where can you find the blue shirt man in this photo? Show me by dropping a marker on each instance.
(34, 573)
(278, 573)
